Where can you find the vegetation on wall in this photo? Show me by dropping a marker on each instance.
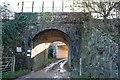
(13, 31)
(94, 47)
(98, 52)
(13, 36)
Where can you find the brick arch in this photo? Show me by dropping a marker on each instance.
(54, 26)
(67, 24)
(51, 35)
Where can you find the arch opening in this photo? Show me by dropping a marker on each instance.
(43, 40)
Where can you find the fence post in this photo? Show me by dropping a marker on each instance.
(42, 6)
(80, 66)
(62, 5)
(22, 6)
(32, 6)
(13, 64)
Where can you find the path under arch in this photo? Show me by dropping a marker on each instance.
(44, 38)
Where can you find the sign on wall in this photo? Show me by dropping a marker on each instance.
(19, 49)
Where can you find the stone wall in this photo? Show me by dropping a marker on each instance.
(99, 54)
(66, 23)
(40, 60)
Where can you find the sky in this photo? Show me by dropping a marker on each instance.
(47, 5)
(37, 5)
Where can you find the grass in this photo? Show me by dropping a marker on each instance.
(50, 60)
(0, 75)
(12, 75)
(77, 76)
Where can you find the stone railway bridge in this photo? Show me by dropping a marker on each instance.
(68, 28)
(64, 27)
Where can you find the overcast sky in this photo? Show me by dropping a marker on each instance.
(37, 5)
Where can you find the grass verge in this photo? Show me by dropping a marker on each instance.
(13, 75)
(77, 76)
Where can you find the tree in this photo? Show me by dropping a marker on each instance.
(102, 8)
(5, 11)
(108, 12)
(50, 52)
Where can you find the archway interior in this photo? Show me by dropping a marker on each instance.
(44, 39)
(60, 50)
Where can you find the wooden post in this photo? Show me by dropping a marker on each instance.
(22, 6)
(62, 5)
(73, 5)
(42, 6)
(53, 6)
(80, 66)
(52, 11)
(32, 6)
(13, 65)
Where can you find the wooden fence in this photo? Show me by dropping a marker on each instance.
(8, 64)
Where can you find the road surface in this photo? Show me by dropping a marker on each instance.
(54, 70)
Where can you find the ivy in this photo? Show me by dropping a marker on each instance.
(13, 30)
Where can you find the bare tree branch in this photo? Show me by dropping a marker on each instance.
(103, 8)
(111, 8)
(89, 6)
